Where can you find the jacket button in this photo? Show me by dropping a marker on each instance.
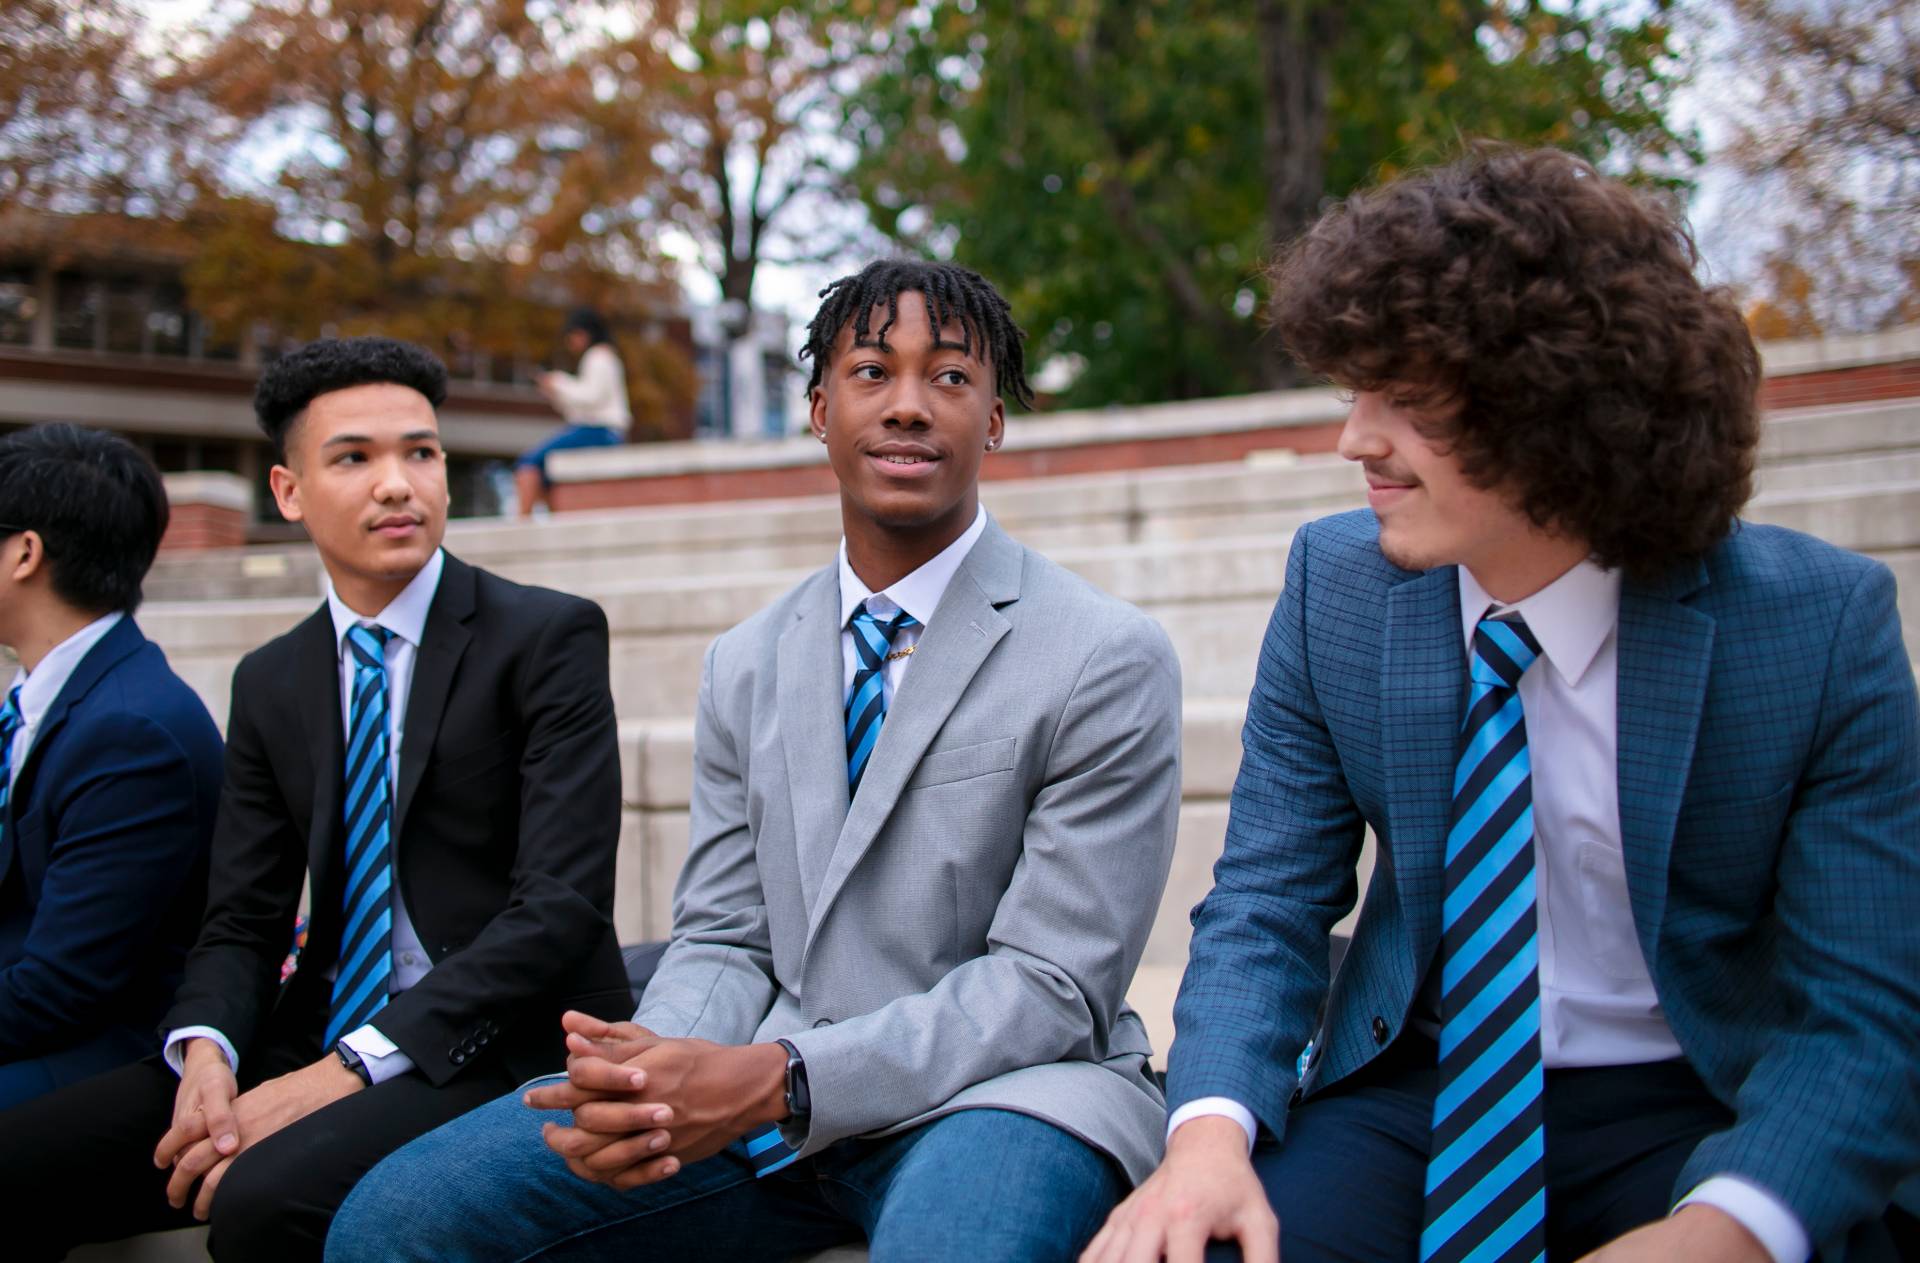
(1295, 1098)
(825, 1021)
(457, 1056)
(1380, 1031)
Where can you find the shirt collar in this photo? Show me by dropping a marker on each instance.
(405, 615)
(1570, 617)
(39, 689)
(918, 593)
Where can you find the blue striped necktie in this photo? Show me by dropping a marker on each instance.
(366, 945)
(9, 726)
(1486, 1192)
(867, 700)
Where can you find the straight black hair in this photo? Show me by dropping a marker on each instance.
(97, 504)
(589, 322)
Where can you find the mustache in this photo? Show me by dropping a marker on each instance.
(1389, 473)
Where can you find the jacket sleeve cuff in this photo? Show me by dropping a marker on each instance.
(174, 1052)
(1211, 1106)
(381, 1056)
(1775, 1226)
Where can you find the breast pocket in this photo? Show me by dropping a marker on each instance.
(963, 763)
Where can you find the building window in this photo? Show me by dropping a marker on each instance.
(76, 312)
(168, 323)
(126, 316)
(18, 306)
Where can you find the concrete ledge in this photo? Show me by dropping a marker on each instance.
(1812, 355)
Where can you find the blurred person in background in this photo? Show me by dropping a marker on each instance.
(109, 767)
(593, 401)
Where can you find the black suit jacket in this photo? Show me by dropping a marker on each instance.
(506, 819)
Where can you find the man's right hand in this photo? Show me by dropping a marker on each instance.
(1205, 1190)
(202, 1108)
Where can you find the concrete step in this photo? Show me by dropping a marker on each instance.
(1267, 492)
(1213, 596)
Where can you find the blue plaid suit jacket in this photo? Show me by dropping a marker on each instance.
(1769, 773)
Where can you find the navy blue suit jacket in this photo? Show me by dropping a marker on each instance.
(103, 851)
(1769, 782)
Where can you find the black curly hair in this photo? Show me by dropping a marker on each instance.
(955, 295)
(298, 378)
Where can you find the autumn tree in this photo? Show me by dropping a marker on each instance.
(74, 133)
(1823, 108)
(1124, 169)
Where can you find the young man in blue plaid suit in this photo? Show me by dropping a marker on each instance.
(1637, 976)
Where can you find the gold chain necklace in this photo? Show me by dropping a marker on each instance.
(900, 653)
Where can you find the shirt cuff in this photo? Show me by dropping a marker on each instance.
(381, 1056)
(1775, 1226)
(174, 1053)
(1215, 1106)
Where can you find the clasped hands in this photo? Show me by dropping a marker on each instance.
(214, 1122)
(644, 1106)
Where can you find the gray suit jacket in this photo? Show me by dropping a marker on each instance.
(963, 937)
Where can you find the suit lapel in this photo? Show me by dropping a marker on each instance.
(120, 642)
(443, 642)
(1423, 673)
(813, 727)
(317, 690)
(963, 631)
(1666, 655)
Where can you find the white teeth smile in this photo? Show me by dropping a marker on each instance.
(904, 460)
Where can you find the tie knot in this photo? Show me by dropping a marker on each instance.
(369, 645)
(1503, 649)
(865, 623)
(10, 713)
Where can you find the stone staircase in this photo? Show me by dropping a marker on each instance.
(1202, 548)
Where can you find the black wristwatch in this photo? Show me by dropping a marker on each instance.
(799, 1100)
(351, 1060)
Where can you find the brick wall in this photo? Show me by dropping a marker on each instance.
(1862, 383)
(192, 526)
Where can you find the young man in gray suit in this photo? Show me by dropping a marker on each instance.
(935, 790)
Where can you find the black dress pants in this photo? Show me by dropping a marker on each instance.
(76, 1165)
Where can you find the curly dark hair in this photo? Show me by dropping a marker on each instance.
(953, 295)
(1595, 378)
(298, 378)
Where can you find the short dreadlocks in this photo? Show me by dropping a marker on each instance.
(954, 295)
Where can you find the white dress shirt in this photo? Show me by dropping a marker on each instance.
(42, 685)
(918, 594)
(597, 395)
(406, 617)
(1597, 1001)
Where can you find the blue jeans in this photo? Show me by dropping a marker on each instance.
(571, 436)
(974, 1185)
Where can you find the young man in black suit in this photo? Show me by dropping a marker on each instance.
(434, 752)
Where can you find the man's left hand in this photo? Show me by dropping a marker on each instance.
(1696, 1232)
(263, 1111)
(713, 1095)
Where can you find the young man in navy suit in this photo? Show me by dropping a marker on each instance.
(1636, 978)
(109, 767)
(432, 755)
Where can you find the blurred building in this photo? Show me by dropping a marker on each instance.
(95, 329)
